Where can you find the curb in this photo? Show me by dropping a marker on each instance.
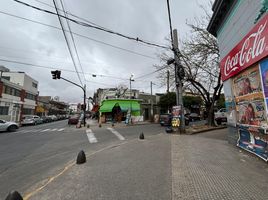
(206, 130)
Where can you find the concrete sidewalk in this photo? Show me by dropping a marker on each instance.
(205, 166)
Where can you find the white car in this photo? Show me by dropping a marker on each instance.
(8, 126)
(221, 116)
(31, 120)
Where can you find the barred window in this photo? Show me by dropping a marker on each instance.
(4, 110)
(30, 96)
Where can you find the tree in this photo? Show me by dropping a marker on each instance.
(167, 101)
(199, 55)
(189, 101)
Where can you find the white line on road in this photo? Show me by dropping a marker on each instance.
(45, 130)
(120, 137)
(91, 137)
(54, 129)
(61, 129)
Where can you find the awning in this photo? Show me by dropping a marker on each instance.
(107, 106)
(126, 105)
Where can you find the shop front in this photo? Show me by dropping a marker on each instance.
(118, 110)
(244, 72)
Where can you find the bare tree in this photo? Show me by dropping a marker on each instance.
(199, 55)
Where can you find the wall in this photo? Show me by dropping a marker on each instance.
(237, 24)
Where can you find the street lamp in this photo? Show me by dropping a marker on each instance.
(130, 95)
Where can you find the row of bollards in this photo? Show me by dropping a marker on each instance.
(81, 158)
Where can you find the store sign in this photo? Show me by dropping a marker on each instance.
(252, 48)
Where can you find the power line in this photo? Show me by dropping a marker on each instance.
(67, 42)
(93, 26)
(79, 35)
(53, 68)
(76, 52)
(164, 67)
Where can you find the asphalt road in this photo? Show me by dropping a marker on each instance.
(33, 154)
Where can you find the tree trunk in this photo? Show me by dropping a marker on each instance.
(211, 121)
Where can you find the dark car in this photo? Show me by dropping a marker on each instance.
(165, 119)
(73, 119)
(193, 117)
(45, 119)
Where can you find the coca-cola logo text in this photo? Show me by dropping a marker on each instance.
(253, 46)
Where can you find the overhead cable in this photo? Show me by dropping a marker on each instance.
(94, 26)
(79, 35)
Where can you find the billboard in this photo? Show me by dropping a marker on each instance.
(251, 109)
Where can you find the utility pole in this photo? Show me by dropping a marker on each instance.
(167, 81)
(152, 108)
(178, 80)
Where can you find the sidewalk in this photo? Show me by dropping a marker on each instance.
(205, 166)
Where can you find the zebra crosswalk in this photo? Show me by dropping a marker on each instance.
(40, 131)
(92, 138)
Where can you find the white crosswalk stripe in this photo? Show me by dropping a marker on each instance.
(91, 136)
(118, 135)
(45, 130)
(61, 129)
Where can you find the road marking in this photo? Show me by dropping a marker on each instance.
(45, 130)
(91, 138)
(54, 129)
(120, 137)
(61, 129)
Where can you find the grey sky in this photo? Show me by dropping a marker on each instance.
(33, 43)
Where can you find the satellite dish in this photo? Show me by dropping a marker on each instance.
(56, 98)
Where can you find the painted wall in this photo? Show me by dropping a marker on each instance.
(239, 22)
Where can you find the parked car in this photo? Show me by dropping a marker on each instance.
(193, 116)
(31, 120)
(220, 116)
(53, 117)
(73, 119)
(45, 119)
(8, 126)
(165, 119)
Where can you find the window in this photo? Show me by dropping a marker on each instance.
(12, 91)
(34, 85)
(3, 110)
(28, 111)
(6, 78)
(30, 96)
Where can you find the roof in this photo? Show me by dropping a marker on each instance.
(220, 10)
(125, 105)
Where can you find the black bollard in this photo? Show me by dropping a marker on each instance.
(81, 158)
(141, 136)
(14, 195)
(100, 125)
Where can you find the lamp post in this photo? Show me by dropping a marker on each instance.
(130, 94)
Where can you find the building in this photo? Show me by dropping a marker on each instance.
(148, 103)
(46, 105)
(18, 95)
(74, 107)
(241, 29)
(118, 110)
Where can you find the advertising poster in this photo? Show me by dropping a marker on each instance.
(247, 82)
(251, 112)
(264, 73)
(230, 103)
(254, 140)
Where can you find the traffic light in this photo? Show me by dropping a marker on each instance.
(56, 74)
(180, 72)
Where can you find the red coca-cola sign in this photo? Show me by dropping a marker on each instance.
(252, 48)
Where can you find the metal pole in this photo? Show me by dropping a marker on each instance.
(167, 81)
(84, 105)
(152, 109)
(178, 80)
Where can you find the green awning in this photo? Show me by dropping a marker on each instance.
(125, 105)
(107, 106)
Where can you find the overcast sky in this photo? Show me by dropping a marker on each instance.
(29, 42)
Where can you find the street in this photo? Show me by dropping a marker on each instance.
(39, 162)
(33, 153)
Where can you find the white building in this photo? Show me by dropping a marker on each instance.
(18, 94)
(73, 107)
